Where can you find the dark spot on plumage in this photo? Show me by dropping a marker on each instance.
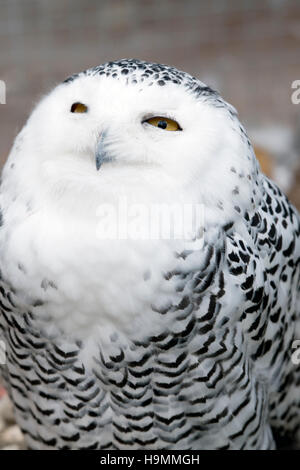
(268, 199)
(236, 271)
(242, 245)
(273, 285)
(252, 309)
(256, 219)
(74, 438)
(183, 254)
(264, 227)
(37, 303)
(246, 216)
(71, 78)
(168, 275)
(272, 231)
(161, 310)
(278, 208)
(211, 309)
(258, 295)
(184, 303)
(233, 257)
(65, 354)
(273, 270)
(265, 301)
(290, 249)
(118, 358)
(46, 283)
(247, 284)
(249, 294)
(244, 257)
(228, 226)
(275, 317)
(238, 209)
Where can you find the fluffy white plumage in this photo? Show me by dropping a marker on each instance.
(54, 171)
(107, 303)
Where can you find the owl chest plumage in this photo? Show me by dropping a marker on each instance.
(189, 368)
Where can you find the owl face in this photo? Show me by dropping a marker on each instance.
(131, 124)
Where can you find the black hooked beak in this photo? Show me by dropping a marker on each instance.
(101, 151)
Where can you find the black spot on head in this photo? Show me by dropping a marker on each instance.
(138, 71)
(71, 78)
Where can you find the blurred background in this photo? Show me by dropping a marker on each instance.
(249, 50)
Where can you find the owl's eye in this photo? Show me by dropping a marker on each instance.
(164, 123)
(79, 108)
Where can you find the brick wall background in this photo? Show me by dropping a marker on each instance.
(248, 49)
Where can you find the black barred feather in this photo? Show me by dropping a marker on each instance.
(216, 369)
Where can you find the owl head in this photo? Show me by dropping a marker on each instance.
(139, 129)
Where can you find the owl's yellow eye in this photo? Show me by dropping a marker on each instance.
(79, 108)
(164, 123)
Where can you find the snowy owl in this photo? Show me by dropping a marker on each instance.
(124, 343)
